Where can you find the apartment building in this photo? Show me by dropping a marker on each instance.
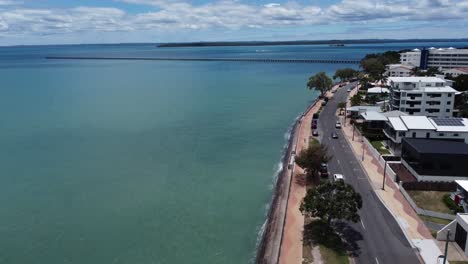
(442, 58)
(423, 96)
(411, 58)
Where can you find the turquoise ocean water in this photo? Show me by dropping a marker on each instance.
(146, 161)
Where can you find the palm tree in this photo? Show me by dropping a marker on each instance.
(382, 78)
(320, 82)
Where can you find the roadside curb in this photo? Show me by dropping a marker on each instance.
(378, 195)
(415, 248)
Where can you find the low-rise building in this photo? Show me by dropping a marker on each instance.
(399, 70)
(422, 127)
(435, 160)
(425, 96)
(455, 72)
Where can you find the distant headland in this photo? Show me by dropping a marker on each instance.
(299, 42)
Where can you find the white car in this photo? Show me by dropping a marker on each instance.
(338, 177)
(338, 124)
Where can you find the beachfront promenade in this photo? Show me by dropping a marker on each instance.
(266, 60)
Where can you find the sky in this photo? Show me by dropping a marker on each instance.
(31, 22)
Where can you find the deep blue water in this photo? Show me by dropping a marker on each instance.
(146, 161)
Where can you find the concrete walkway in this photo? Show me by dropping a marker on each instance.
(291, 248)
(412, 226)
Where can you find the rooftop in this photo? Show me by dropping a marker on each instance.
(465, 70)
(363, 108)
(445, 89)
(417, 122)
(394, 113)
(414, 79)
(397, 124)
(373, 116)
(435, 146)
(463, 184)
(450, 124)
(377, 90)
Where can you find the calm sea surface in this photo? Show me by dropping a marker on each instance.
(146, 161)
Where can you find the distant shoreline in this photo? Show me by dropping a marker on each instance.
(298, 42)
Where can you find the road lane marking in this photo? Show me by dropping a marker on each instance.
(339, 162)
(362, 223)
(376, 260)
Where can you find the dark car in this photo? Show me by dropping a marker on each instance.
(315, 133)
(314, 126)
(323, 171)
(334, 135)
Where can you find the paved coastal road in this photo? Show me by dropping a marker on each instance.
(377, 238)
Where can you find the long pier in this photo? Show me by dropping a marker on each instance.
(267, 60)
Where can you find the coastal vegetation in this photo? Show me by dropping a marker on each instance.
(310, 159)
(332, 201)
(320, 82)
(345, 74)
(374, 64)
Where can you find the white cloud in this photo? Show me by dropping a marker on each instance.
(174, 15)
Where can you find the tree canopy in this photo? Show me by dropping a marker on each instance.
(310, 159)
(461, 82)
(345, 74)
(320, 82)
(332, 200)
(374, 64)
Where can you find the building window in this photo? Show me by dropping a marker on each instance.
(428, 135)
(402, 134)
(414, 134)
(449, 95)
(449, 102)
(455, 134)
(441, 134)
(448, 110)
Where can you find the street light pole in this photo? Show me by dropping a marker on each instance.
(384, 174)
(362, 141)
(446, 246)
(354, 127)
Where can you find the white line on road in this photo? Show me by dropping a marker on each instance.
(338, 162)
(362, 223)
(376, 260)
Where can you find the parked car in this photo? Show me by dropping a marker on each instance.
(338, 124)
(323, 170)
(315, 133)
(334, 135)
(324, 103)
(314, 126)
(338, 177)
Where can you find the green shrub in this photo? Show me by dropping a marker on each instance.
(451, 204)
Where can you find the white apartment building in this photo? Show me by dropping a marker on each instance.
(398, 70)
(442, 58)
(397, 128)
(411, 58)
(422, 96)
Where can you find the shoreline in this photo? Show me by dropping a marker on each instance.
(269, 247)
